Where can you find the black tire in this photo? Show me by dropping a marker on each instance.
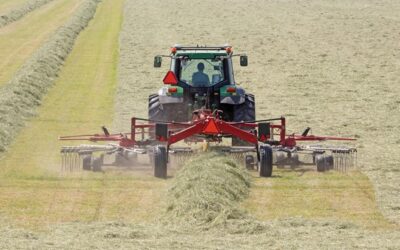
(294, 160)
(329, 161)
(120, 160)
(244, 112)
(166, 112)
(280, 158)
(96, 164)
(249, 162)
(321, 163)
(160, 161)
(265, 161)
(87, 162)
(155, 109)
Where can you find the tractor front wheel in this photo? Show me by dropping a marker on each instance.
(160, 158)
(265, 161)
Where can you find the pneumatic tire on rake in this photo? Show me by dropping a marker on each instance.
(160, 160)
(265, 161)
(87, 162)
(97, 163)
(324, 162)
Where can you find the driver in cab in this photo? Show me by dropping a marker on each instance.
(200, 79)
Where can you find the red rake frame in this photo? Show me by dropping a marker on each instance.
(207, 125)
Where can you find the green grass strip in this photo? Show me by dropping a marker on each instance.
(24, 92)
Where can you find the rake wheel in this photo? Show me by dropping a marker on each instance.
(160, 161)
(96, 164)
(265, 161)
(249, 162)
(87, 162)
(322, 164)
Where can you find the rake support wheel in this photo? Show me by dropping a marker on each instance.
(160, 158)
(249, 162)
(265, 161)
(87, 162)
(97, 163)
(324, 162)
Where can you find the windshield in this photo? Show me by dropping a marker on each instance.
(201, 72)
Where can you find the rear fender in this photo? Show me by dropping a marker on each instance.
(237, 97)
(166, 97)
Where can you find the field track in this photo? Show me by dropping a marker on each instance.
(19, 40)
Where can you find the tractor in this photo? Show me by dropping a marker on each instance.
(201, 78)
(200, 102)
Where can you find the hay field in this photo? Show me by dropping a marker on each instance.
(326, 64)
(19, 40)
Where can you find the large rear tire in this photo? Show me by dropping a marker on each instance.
(265, 161)
(166, 112)
(160, 157)
(245, 112)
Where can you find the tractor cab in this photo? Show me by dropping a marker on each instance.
(199, 78)
(200, 67)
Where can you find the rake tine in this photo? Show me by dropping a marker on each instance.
(62, 161)
(77, 163)
(71, 162)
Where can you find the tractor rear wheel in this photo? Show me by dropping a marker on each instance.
(245, 112)
(265, 161)
(166, 112)
(160, 156)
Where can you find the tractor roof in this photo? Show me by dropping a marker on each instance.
(201, 52)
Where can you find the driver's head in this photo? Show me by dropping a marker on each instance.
(200, 67)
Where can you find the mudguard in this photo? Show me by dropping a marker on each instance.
(166, 97)
(237, 97)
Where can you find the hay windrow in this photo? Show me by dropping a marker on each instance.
(24, 92)
(22, 10)
(207, 190)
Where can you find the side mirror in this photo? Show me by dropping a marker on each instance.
(157, 61)
(243, 61)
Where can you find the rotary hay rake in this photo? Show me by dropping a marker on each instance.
(267, 144)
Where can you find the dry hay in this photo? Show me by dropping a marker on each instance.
(21, 11)
(331, 65)
(203, 213)
(206, 192)
(24, 92)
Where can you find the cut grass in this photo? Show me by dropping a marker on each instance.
(32, 194)
(312, 195)
(19, 40)
(7, 5)
(114, 196)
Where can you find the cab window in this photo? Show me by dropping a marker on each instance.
(201, 72)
